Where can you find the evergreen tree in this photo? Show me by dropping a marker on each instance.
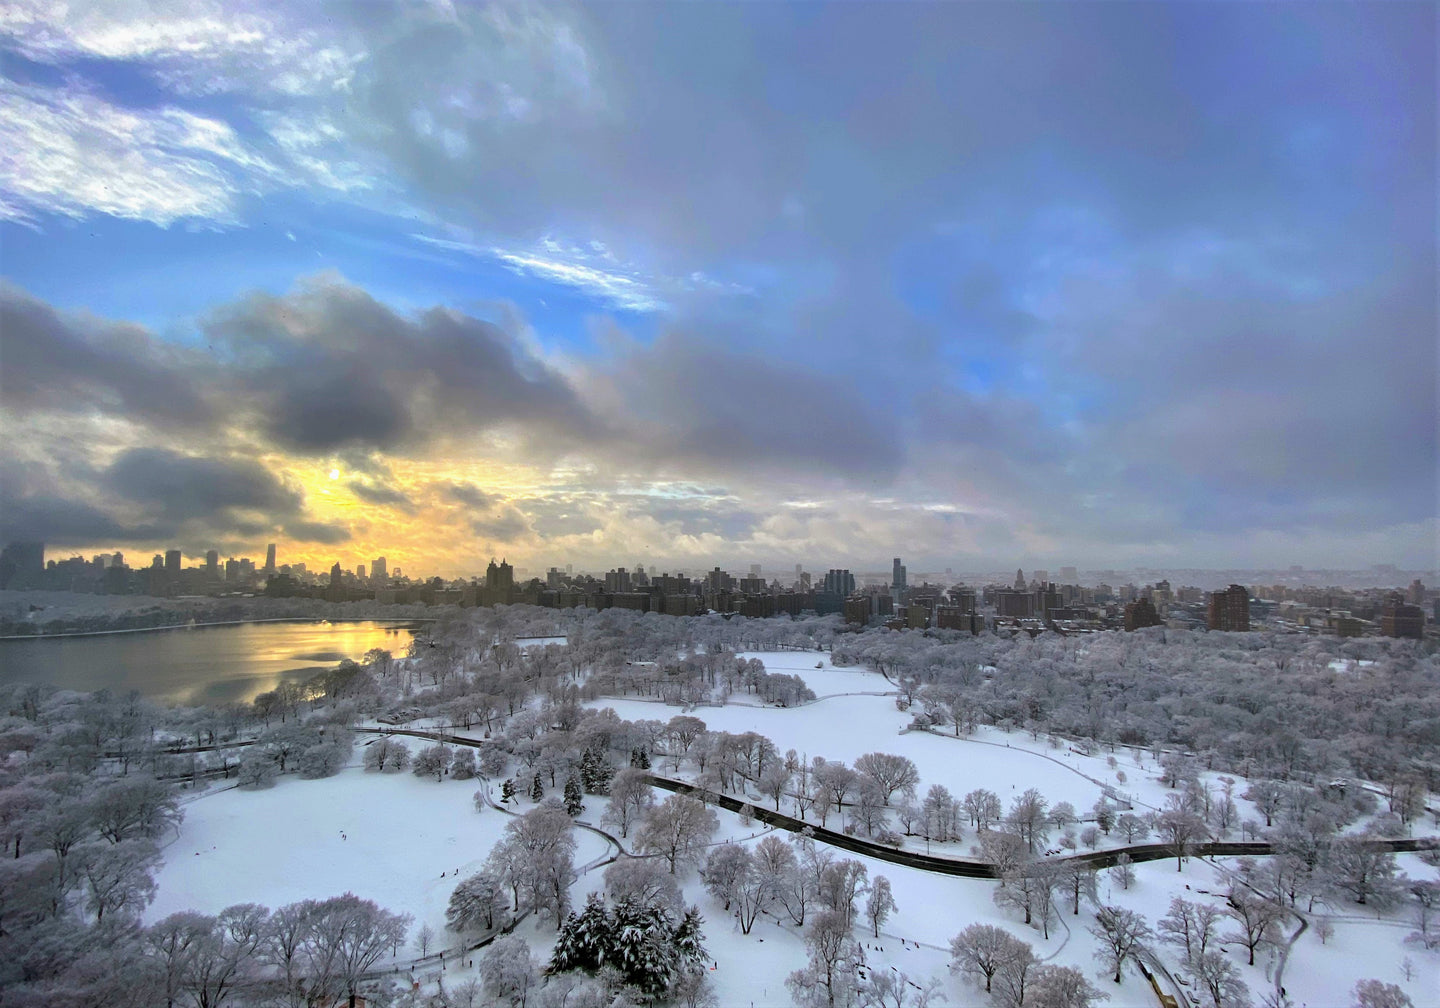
(595, 773)
(643, 947)
(507, 789)
(640, 758)
(690, 941)
(584, 939)
(573, 803)
(537, 790)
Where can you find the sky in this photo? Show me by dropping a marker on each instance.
(983, 285)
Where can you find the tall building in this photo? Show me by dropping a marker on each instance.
(839, 582)
(270, 559)
(1020, 580)
(212, 563)
(1229, 609)
(172, 562)
(1398, 619)
(499, 576)
(378, 576)
(897, 580)
(1141, 613)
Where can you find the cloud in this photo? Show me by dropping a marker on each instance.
(325, 533)
(468, 494)
(65, 521)
(506, 526)
(182, 487)
(333, 369)
(690, 400)
(382, 495)
(72, 362)
(569, 267)
(192, 46)
(74, 154)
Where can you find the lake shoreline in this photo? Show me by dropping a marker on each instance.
(402, 623)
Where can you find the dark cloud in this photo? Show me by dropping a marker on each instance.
(78, 364)
(332, 369)
(468, 494)
(317, 532)
(66, 521)
(185, 487)
(699, 404)
(506, 526)
(385, 496)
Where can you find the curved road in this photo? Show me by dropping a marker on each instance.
(929, 862)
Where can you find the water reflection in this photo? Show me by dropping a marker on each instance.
(209, 665)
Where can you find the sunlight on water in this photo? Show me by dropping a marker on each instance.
(203, 665)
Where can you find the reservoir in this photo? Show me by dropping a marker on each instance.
(199, 665)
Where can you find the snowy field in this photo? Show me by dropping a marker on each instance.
(385, 837)
(389, 838)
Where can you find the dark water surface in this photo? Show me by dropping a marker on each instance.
(199, 665)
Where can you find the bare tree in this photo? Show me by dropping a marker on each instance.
(1178, 829)
(1189, 926)
(891, 773)
(982, 949)
(1118, 932)
(677, 830)
(630, 798)
(1215, 974)
(1258, 917)
(1061, 987)
(880, 904)
(1028, 818)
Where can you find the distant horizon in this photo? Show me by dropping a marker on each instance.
(784, 572)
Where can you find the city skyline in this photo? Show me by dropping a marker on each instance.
(1092, 285)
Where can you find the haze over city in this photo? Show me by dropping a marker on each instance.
(987, 285)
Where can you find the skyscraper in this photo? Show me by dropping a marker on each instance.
(897, 580)
(212, 563)
(1229, 609)
(270, 559)
(172, 562)
(378, 575)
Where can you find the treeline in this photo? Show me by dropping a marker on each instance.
(1259, 705)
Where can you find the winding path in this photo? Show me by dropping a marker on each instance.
(929, 862)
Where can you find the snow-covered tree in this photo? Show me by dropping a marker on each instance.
(477, 904)
(1189, 926)
(630, 798)
(1118, 931)
(890, 773)
(881, 903)
(677, 829)
(981, 950)
(509, 972)
(1061, 987)
(574, 803)
(1376, 994)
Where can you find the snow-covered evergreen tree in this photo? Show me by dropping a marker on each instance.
(573, 803)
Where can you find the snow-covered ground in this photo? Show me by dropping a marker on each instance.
(400, 833)
(393, 838)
